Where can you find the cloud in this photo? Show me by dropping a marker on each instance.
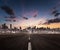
(8, 10)
(55, 20)
(32, 13)
(42, 21)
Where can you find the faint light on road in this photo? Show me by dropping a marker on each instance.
(29, 43)
(29, 46)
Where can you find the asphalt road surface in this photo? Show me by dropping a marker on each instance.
(14, 42)
(45, 42)
(38, 42)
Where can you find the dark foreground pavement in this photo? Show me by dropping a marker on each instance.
(14, 42)
(38, 42)
(45, 42)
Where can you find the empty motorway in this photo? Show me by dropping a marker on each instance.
(38, 42)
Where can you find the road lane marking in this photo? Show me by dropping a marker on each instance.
(29, 46)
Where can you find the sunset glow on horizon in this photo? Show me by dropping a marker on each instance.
(34, 22)
(30, 13)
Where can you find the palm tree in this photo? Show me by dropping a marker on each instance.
(4, 27)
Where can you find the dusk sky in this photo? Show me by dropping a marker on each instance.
(28, 9)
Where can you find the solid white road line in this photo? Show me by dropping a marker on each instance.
(29, 46)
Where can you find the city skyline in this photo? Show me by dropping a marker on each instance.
(30, 12)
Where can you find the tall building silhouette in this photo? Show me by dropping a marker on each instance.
(10, 26)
